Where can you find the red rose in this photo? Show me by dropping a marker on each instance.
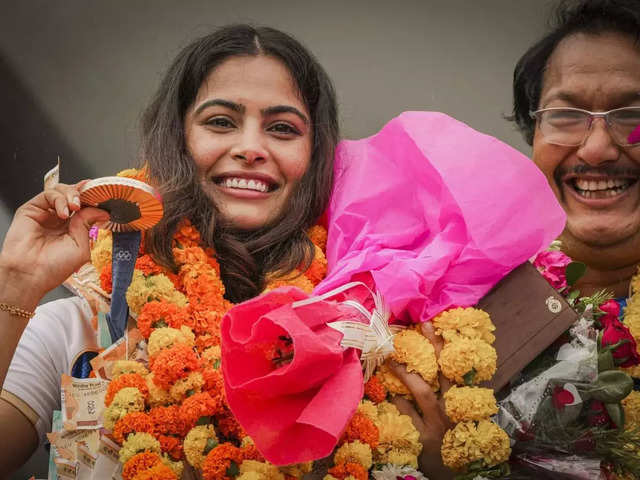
(611, 307)
(614, 332)
(561, 397)
(288, 381)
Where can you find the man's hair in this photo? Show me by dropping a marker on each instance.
(244, 257)
(571, 17)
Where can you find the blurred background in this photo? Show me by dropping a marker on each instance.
(76, 74)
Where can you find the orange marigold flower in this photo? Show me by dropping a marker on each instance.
(173, 363)
(251, 452)
(158, 472)
(132, 422)
(374, 390)
(188, 257)
(318, 235)
(147, 266)
(167, 421)
(171, 445)
(206, 340)
(318, 268)
(106, 278)
(229, 426)
(211, 259)
(362, 428)
(187, 235)
(213, 381)
(207, 322)
(158, 314)
(139, 463)
(199, 405)
(126, 380)
(219, 460)
(343, 470)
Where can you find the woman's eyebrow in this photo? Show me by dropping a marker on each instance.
(236, 107)
(285, 109)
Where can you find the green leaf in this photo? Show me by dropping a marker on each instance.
(605, 361)
(159, 324)
(574, 271)
(469, 376)
(611, 386)
(233, 470)
(616, 413)
(204, 420)
(216, 364)
(573, 295)
(211, 444)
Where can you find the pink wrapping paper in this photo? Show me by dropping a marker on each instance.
(437, 212)
(430, 213)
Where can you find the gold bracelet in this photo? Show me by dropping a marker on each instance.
(18, 312)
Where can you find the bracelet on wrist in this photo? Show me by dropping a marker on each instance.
(16, 311)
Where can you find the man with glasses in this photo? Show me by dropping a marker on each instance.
(577, 101)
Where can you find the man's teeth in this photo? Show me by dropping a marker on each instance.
(245, 184)
(601, 188)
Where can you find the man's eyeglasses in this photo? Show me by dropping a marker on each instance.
(570, 126)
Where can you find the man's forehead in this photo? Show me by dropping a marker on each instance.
(593, 71)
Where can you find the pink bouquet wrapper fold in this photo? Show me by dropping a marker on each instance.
(437, 212)
(428, 212)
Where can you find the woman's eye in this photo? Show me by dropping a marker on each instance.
(220, 122)
(284, 128)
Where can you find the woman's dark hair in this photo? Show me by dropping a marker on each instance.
(571, 17)
(245, 257)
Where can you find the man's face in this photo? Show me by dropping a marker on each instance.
(596, 182)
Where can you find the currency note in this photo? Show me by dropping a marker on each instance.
(82, 402)
(103, 363)
(107, 461)
(52, 177)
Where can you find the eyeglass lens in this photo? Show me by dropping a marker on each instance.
(570, 127)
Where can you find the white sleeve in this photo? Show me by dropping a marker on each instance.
(58, 333)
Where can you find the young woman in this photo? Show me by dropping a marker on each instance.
(240, 139)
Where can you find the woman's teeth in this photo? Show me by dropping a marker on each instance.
(245, 184)
(600, 188)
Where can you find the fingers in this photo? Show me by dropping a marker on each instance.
(422, 392)
(436, 340)
(62, 199)
(405, 407)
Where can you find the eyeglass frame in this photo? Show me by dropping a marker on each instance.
(591, 117)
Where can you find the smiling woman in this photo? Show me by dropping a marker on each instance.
(239, 140)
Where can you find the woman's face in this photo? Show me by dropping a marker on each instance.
(249, 133)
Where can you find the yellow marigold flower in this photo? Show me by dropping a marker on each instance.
(212, 355)
(631, 405)
(157, 396)
(468, 322)
(331, 477)
(196, 443)
(463, 404)
(154, 287)
(397, 431)
(387, 407)
(398, 457)
(297, 470)
(392, 383)
(368, 408)
(166, 337)
(633, 371)
(101, 251)
(463, 355)
(293, 279)
(417, 353)
(266, 471)
(318, 235)
(186, 386)
(129, 173)
(177, 467)
(635, 283)
(354, 452)
(467, 443)
(120, 367)
(249, 476)
(128, 399)
(137, 443)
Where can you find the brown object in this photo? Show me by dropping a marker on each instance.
(17, 311)
(529, 315)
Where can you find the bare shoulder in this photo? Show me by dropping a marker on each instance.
(19, 438)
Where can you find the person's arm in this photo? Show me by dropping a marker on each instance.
(19, 438)
(46, 242)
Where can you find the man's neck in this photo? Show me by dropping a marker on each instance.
(608, 268)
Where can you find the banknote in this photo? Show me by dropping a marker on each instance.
(103, 363)
(52, 177)
(82, 402)
(107, 462)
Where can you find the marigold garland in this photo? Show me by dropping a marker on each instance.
(220, 460)
(362, 428)
(344, 470)
(134, 380)
(374, 390)
(139, 463)
(132, 423)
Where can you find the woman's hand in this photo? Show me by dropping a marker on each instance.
(47, 241)
(433, 422)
